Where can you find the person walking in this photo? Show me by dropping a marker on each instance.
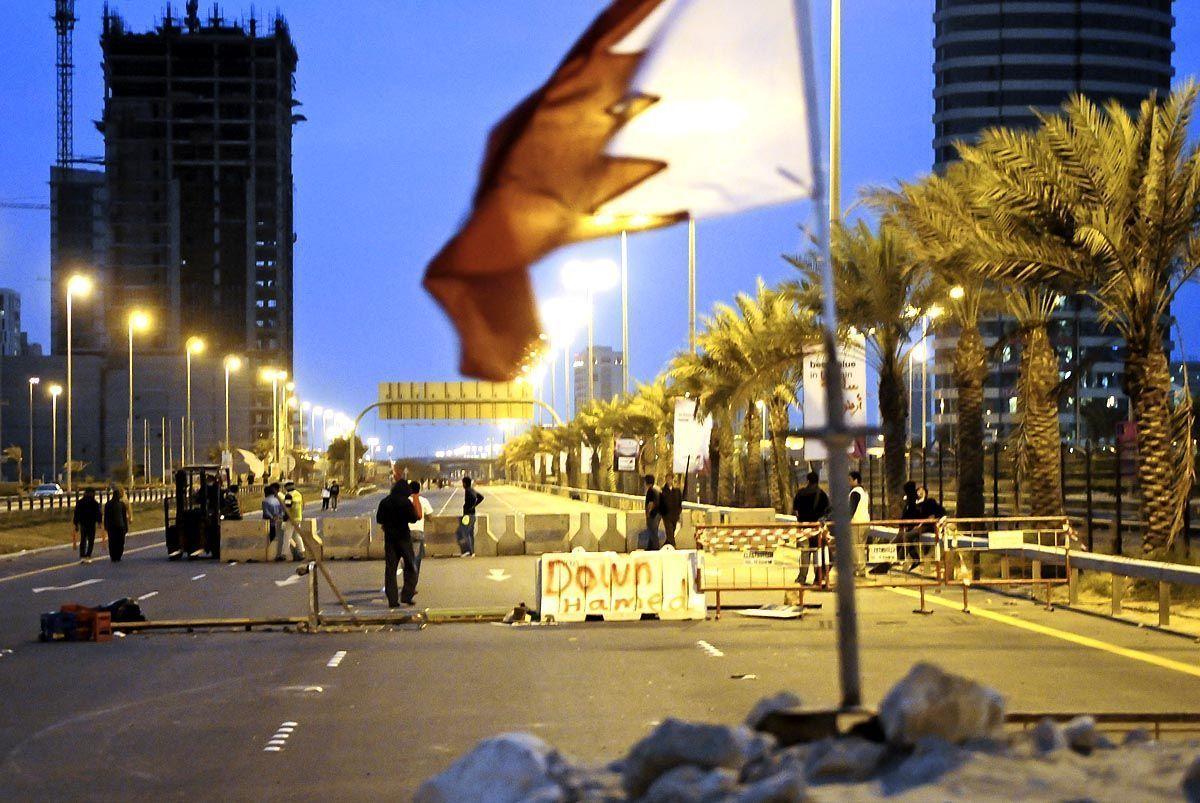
(325, 497)
(653, 507)
(811, 503)
(466, 528)
(334, 491)
(293, 507)
(424, 510)
(117, 516)
(860, 502)
(670, 505)
(396, 515)
(272, 508)
(86, 517)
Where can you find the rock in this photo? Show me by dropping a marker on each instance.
(511, 768)
(786, 786)
(790, 760)
(688, 784)
(675, 743)
(1137, 736)
(782, 701)
(932, 758)
(1082, 735)
(845, 759)
(930, 702)
(1048, 736)
(1191, 782)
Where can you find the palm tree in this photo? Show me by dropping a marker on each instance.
(1038, 438)
(881, 292)
(936, 211)
(1108, 202)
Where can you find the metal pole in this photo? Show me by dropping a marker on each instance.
(162, 444)
(996, 478)
(275, 419)
(692, 284)
(54, 436)
(624, 314)
(1087, 490)
(33, 380)
(835, 111)
(146, 449)
(70, 394)
(187, 426)
(1118, 536)
(567, 382)
(591, 349)
(129, 421)
(227, 446)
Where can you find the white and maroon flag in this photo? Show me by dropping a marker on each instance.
(663, 109)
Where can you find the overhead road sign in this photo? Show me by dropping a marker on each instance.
(456, 401)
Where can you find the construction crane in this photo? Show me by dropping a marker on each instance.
(64, 23)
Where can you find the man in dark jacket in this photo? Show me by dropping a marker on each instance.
(395, 513)
(653, 511)
(466, 528)
(670, 506)
(811, 503)
(87, 515)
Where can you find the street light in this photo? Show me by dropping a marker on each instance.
(274, 376)
(33, 381)
(232, 363)
(55, 391)
(957, 292)
(306, 407)
(590, 277)
(78, 286)
(194, 346)
(562, 318)
(139, 321)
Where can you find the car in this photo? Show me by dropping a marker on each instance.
(47, 489)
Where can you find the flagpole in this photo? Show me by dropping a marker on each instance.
(836, 434)
(624, 313)
(692, 283)
(835, 112)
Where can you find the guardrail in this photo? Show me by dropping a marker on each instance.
(66, 501)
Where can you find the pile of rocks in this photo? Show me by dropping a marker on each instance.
(936, 736)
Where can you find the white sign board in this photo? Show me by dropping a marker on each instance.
(882, 553)
(853, 357)
(585, 458)
(572, 586)
(691, 436)
(626, 453)
(1006, 539)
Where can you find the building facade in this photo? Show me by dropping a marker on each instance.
(191, 221)
(995, 64)
(11, 334)
(607, 368)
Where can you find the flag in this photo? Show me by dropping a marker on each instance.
(662, 109)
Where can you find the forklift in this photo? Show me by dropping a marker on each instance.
(193, 513)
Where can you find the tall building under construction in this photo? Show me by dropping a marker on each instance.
(190, 220)
(995, 64)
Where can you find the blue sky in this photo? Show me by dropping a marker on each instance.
(399, 96)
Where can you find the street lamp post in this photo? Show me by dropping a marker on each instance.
(138, 322)
(232, 363)
(33, 381)
(194, 345)
(80, 286)
(590, 278)
(55, 391)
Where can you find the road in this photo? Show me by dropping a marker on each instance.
(372, 714)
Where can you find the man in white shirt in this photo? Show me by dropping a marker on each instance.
(421, 504)
(860, 502)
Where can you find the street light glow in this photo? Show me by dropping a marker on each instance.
(195, 345)
(33, 380)
(139, 321)
(957, 292)
(55, 390)
(590, 275)
(79, 285)
(563, 318)
(268, 374)
(233, 363)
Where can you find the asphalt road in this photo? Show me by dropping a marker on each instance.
(176, 716)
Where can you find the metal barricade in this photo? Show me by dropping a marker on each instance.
(1017, 541)
(763, 557)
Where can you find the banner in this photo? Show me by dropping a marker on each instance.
(626, 451)
(690, 452)
(572, 586)
(854, 390)
(585, 458)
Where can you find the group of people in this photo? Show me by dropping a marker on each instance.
(329, 495)
(663, 504)
(283, 507)
(115, 516)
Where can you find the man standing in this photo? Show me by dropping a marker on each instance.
(653, 512)
(272, 508)
(811, 503)
(424, 510)
(117, 518)
(325, 496)
(395, 515)
(86, 517)
(860, 502)
(293, 505)
(334, 491)
(670, 505)
(466, 528)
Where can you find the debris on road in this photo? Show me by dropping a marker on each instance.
(938, 736)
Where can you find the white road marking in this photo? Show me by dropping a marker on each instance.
(336, 659)
(80, 584)
(498, 575)
(147, 595)
(712, 651)
(449, 499)
(200, 577)
(279, 739)
(292, 580)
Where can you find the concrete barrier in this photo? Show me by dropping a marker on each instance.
(246, 540)
(512, 542)
(348, 538)
(749, 515)
(546, 532)
(613, 537)
(685, 535)
(583, 536)
(486, 544)
(573, 586)
(314, 545)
